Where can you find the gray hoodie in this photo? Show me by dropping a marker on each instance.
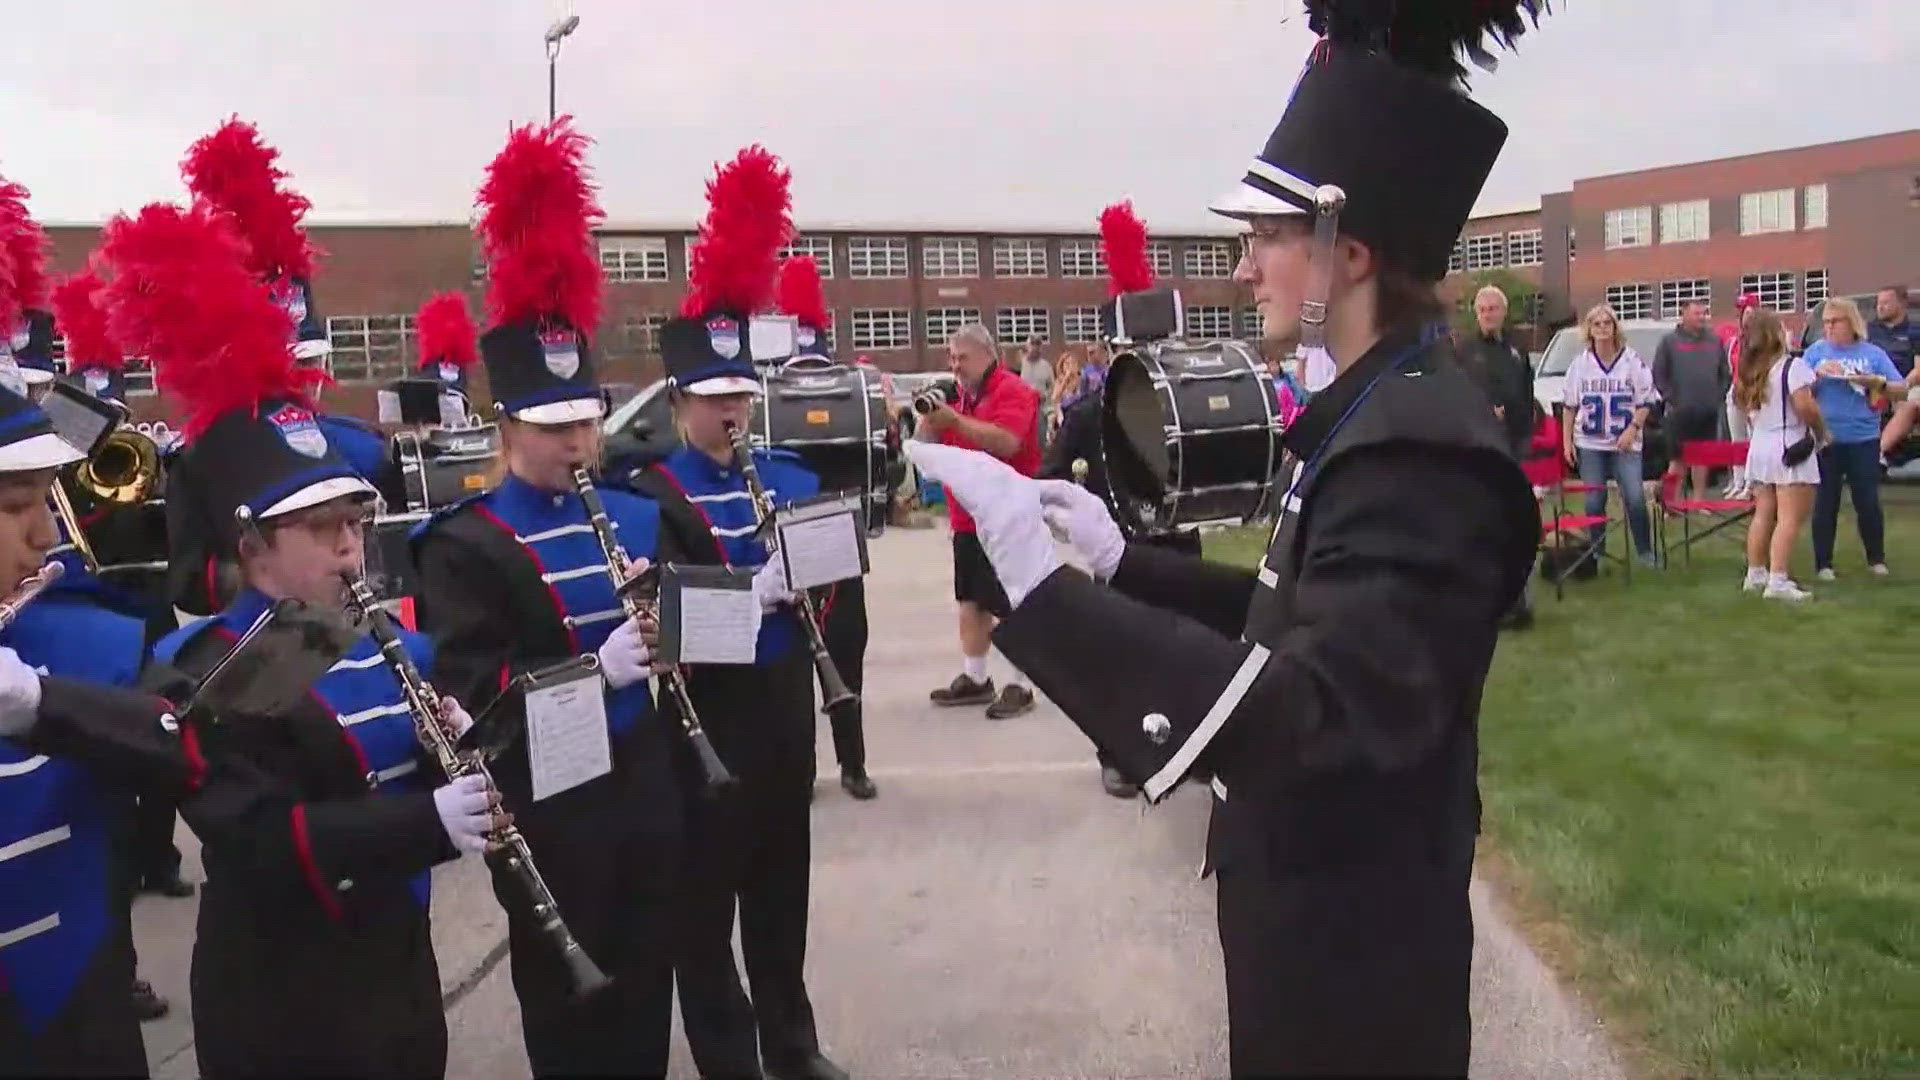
(1690, 371)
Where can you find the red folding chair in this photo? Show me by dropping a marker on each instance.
(1548, 475)
(1704, 454)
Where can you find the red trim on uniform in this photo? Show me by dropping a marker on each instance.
(406, 614)
(213, 597)
(505, 679)
(560, 608)
(303, 848)
(826, 608)
(196, 761)
(662, 469)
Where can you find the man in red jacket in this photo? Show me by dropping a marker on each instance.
(997, 412)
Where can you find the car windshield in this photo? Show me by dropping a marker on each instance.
(1567, 344)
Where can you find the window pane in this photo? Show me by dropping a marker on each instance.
(1777, 290)
(943, 323)
(1673, 294)
(1524, 248)
(950, 257)
(820, 247)
(1206, 322)
(1209, 259)
(877, 257)
(1486, 252)
(1019, 258)
(1014, 326)
(1080, 324)
(1082, 259)
(634, 258)
(1631, 301)
(882, 328)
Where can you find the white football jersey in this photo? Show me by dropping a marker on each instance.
(1602, 398)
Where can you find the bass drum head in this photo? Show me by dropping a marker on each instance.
(835, 418)
(1133, 439)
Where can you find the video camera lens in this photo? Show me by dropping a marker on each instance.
(930, 399)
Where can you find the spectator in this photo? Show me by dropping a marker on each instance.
(1609, 392)
(1035, 369)
(1694, 380)
(1850, 373)
(1896, 332)
(1776, 392)
(1502, 370)
(1737, 417)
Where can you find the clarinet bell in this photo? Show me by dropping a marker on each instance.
(586, 977)
(715, 772)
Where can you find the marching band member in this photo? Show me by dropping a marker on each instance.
(447, 347)
(514, 580)
(318, 826)
(69, 749)
(843, 613)
(1334, 693)
(750, 846)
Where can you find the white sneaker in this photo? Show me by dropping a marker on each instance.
(1742, 492)
(1879, 569)
(1786, 590)
(1756, 580)
(1825, 575)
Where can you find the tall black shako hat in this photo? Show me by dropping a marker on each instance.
(233, 170)
(799, 292)
(95, 362)
(1379, 140)
(1135, 310)
(26, 326)
(537, 215)
(182, 295)
(707, 349)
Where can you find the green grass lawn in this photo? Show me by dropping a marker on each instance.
(1708, 806)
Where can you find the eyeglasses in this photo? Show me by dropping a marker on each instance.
(1257, 234)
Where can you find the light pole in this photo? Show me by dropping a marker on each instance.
(562, 26)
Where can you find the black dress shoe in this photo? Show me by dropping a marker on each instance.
(175, 887)
(148, 1005)
(857, 784)
(815, 1067)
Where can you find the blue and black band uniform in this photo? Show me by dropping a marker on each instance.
(511, 582)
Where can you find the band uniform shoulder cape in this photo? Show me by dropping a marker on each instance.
(1333, 694)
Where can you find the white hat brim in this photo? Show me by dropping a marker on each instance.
(1244, 201)
(37, 452)
(571, 411)
(315, 494)
(725, 384)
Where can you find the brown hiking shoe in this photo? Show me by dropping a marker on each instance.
(1013, 701)
(963, 691)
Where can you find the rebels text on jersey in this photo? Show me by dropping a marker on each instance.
(1603, 397)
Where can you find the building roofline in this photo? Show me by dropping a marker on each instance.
(1909, 132)
(1506, 211)
(679, 226)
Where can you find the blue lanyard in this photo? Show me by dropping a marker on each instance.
(1427, 337)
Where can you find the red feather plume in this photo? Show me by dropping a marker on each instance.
(233, 170)
(538, 213)
(446, 331)
(183, 296)
(748, 221)
(25, 242)
(78, 310)
(799, 292)
(1123, 237)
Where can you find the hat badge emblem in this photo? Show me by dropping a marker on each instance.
(724, 335)
(561, 351)
(300, 431)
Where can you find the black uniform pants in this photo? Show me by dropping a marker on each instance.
(750, 848)
(95, 1034)
(616, 895)
(846, 637)
(1347, 971)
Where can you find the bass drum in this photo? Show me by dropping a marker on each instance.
(1190, 435)
(835, 418)
(442, 465)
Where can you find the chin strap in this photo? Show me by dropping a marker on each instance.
(1328, 201)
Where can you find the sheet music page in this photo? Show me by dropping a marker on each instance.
(718, 626)
(387, 406)
(567, 742)
(820, 550)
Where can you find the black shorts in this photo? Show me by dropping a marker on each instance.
(1692, 425)
(973, 578)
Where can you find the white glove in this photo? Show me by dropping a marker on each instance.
(770, 586)
(624, 656)
(466, 812)
(19, 694)
(1080, 518)
(1006, 513)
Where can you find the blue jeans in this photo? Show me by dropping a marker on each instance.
(1595, 466)
(1857, 465)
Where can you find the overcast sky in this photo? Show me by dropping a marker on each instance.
(947, 112)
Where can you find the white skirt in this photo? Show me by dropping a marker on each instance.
(1765, 467)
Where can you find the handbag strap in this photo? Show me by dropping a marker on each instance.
(1785, 363)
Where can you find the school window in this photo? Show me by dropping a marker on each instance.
(1206, 322)
(1766, 211)
(1674, 294)
(882, 328)
(1632, 227)
(369, 348)
(634, 258)
(950, 257)
(1082, 258)
(1160, 256)
(1524, 248)
(820, 247)
(876, 257)
(1682, 222)
(1253, 326)
(1080, 324)
(1816, 285)
(639, 336)
(1019, 257)
(1209, 260)
(1015, 326)
(944, 322)
(1776, 290)
(1457, 260)
(1633, 301)
(1486, 251)
(1816, 206)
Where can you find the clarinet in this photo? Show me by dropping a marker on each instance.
(506, 845)
(833, 689)
(712, 769)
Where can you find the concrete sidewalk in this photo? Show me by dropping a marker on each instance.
(992, 914)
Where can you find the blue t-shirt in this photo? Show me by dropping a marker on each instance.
(1850, 416)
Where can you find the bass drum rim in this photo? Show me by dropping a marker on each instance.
(874, 491)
